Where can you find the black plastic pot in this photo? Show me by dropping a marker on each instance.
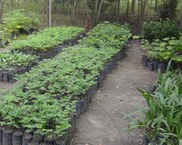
(72, 121)
(87, 95)
(5, 77)
(122, 53)
(100, 79)
(7, 137)
(17, 138)
(1, 136)
(145, 61)
(78, 108)
(37, 139)
(18, 71)
(49, 141)
(27, 139)
(150, 66)
(60, 141)
(83, 104)
(162, 67)
(1, 76)
(66, 136)
(155, 63)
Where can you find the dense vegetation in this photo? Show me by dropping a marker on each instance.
(159, 30)
(162, 43)
(165, 50)
(110, 36)
(47, 38)
(78, 11)
(11, 61)
(16, 23)
(43, 105)
(163, 119)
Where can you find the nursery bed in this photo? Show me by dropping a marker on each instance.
(13, 137)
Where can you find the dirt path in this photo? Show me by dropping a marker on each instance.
(104, 122)
(3, 50)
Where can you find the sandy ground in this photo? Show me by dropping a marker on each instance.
(105, 121)
(3, 50)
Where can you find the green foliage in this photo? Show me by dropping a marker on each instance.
(44, 98)
(107, 35)
(163, 119)
(167, 10)
(159, 30)
(47, 39)
(18, 19)
(10, 61)
(165, 50)
(15, 22)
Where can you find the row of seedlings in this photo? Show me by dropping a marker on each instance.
(44, 106)
(160, 52)
(44, 44)
(15, 63)
(48, 42)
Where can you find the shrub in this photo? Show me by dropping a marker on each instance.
(16, 22)
(159, 30)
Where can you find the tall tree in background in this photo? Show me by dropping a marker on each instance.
(133, 6)
(168, 9)
(143, 6)
(1, 10)
(50, 13)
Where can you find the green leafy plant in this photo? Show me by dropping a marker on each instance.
(164, 50)
(47, 39)
(107, 35)
(159, 30)
(11, 61)
(163, 119)
(44, 98)
(16, 22)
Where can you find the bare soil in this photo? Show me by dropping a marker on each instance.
(3, 50)
(105, 121)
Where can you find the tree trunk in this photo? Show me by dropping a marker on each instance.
(118, 8)
(87, 11)
(128, 7)
(133, 6)
(49, 13)
(143, 7)
(96, 7)
(11, 5)
(99, 10)
(180, 22)
(139, 8)
(74, 10)
(156, 5)
(1, 10)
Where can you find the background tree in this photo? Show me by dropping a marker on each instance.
(1, 10)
